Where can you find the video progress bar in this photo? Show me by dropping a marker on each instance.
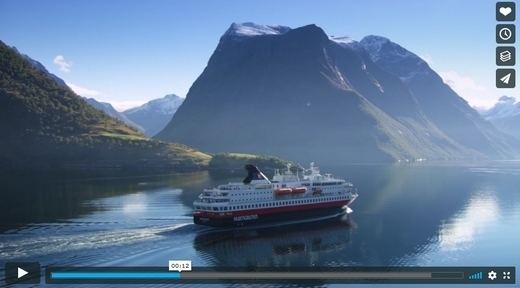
(341, 275)
(255, 275)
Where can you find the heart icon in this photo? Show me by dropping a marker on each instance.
(505, 10)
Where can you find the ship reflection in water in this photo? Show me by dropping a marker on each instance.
(303, 244)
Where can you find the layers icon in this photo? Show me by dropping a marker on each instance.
(505, 56)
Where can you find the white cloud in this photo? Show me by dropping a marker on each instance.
(64, 65)
(82, 91)
(427, 58)
(480, 109)
(118, 105)
(476, 94)
(460, 83)
(125, 105)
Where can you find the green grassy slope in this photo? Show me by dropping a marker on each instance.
(42, 123)
(225, 162)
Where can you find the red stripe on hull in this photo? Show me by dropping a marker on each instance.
(272, 210)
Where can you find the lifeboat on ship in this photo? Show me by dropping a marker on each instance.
(283, 191)
(298, 190)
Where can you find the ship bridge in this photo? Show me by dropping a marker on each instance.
(286, 176)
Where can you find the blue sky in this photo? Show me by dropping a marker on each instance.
(127, 52)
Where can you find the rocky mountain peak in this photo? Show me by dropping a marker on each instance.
(394, 58)
(248, 29)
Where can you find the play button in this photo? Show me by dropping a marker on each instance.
(22, 273)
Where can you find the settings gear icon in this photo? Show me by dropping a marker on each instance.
(492, 275)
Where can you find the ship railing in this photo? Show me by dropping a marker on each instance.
(214, 198)
(218, 194)
(300, 196)
(289, 196)
(203, 200)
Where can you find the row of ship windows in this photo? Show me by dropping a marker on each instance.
(321, 184)
(250, 188)
(271, 204)
(262, 198)
(268, 192)
(246, 199)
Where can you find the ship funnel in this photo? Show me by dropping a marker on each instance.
(253, 173)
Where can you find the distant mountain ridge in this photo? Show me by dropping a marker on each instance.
(252, 29)
(44, 124)
(154, 115)
(505, 115)
(111, 111)
(439, 102)
(506, 107)
(40, 67)
(103, 106)
(299, 94)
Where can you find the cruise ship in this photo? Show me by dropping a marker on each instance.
(286, 197)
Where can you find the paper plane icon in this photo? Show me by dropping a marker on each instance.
(505, 79)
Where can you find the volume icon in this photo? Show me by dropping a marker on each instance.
(476, 276)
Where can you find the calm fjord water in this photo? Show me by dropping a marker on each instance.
(422, 214)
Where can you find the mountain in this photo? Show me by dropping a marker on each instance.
(439, 102)
(154, 115)
(45, 124)
(109, 109)
(506, 107)
(505, 115)
(106, 107)
(42, 68)
(298, 94)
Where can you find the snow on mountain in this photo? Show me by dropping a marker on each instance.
(505, 115)
(166, 105)
(382, 50)
(110, 111)
(252, 29)
(506, 107)
(343, 40)
(156, 114)
(374, 46)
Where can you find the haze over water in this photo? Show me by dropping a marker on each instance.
(424, 214)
